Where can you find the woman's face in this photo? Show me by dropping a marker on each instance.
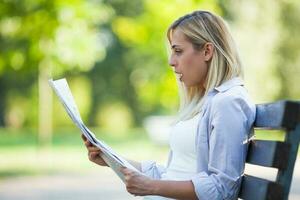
(189, 64)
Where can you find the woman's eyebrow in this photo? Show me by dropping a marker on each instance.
(175, 46)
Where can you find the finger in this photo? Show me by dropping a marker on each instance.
(88, 143)
(125, 171)
(93, 154)
(122, 170)
(83, 137)
(93, 148)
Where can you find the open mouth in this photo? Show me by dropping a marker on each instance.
(179, 76)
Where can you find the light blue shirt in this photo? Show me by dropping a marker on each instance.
(224, 128)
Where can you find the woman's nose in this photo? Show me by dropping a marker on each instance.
(172, 61)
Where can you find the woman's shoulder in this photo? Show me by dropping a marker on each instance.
(231, 90)
(233, 93)
(236, 96)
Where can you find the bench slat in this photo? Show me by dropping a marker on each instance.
(254, 188)
(277, 115)
(268, 153)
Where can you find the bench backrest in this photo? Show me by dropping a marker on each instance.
(282, 115)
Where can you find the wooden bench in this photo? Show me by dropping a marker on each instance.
(282, 115)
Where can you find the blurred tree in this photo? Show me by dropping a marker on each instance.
(287, 51)
(267, 35)
(111, 77)
(20, 56)
(255, 28)
(43, 38)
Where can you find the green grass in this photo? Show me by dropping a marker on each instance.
(20, 153)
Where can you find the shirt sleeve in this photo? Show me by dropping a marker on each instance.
(230, 120)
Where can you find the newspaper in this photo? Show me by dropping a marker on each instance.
(115, 161)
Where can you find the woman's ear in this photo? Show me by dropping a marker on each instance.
(208, 51)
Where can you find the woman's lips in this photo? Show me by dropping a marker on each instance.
(179, 75)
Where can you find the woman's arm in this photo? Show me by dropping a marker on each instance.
(141, 185)
(230, 121)
(174, 189)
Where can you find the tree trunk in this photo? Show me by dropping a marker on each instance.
(2, 102)
(45, 105)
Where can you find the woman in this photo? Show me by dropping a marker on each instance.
(209, 139)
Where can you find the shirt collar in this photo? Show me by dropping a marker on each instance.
(236, 81)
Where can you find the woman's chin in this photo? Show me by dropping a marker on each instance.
(187, 84)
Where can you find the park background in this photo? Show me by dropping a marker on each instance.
(114, 54)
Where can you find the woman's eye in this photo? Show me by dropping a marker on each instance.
(178, 51)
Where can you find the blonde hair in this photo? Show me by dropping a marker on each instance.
(201, 27)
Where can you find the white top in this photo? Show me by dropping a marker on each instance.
(183, 165)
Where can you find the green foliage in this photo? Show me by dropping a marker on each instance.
(287, 50)
(114, 54)
(61, 36)
(266, 36)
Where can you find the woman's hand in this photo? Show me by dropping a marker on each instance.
(93, 152)
(137, 183)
